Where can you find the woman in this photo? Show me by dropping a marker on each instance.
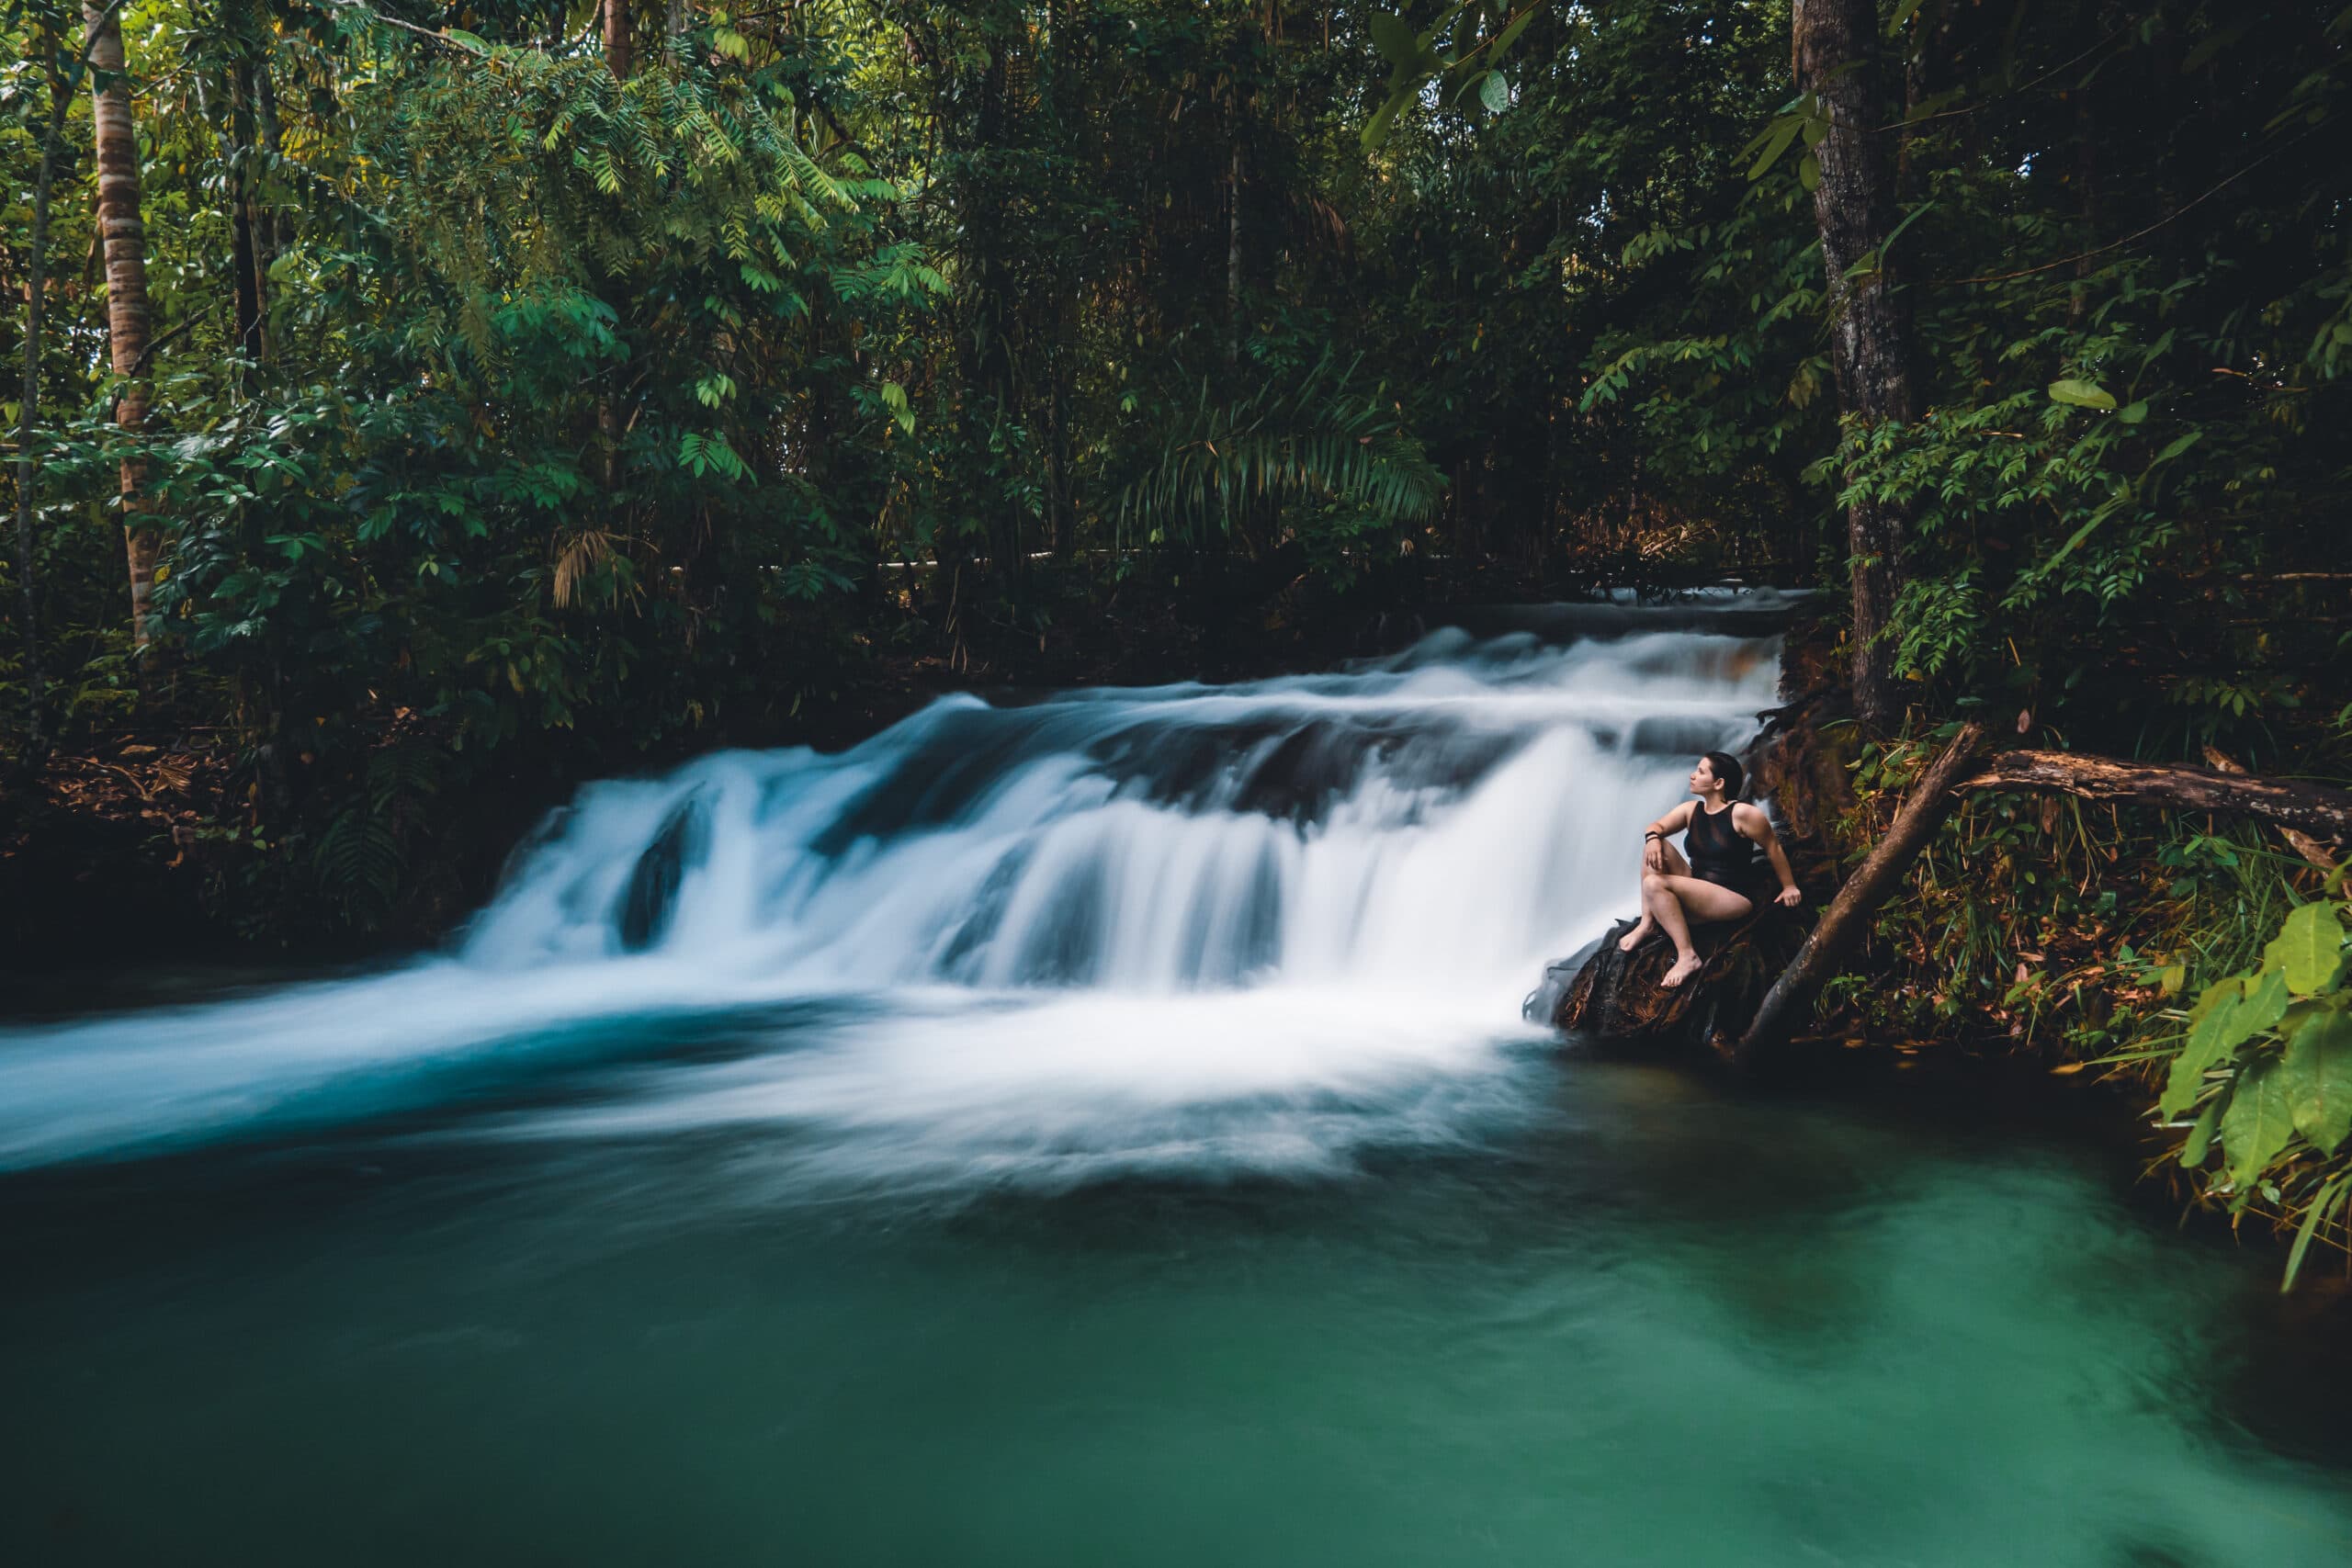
(1721, 881)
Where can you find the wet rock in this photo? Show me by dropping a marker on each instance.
(1615, 997)
(648, 901)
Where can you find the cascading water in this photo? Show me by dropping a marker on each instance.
(734, 1188)
(1247, 927)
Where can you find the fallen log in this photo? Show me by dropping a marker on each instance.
(1617, 996)
(2302, 843)
(1849, 914)
(2313, 809)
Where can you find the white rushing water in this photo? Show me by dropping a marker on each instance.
(1249, 926)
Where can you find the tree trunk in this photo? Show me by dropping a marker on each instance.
(115, 137)
(273, 141)
(245, 249)
(617, 42)
(1849, 914)
(1233, 259)
(992, 376)
(619, 58)
(28, 410)
(1835, 57)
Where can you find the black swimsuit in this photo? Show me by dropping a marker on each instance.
(1721, 854)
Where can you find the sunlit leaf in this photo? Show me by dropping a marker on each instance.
(2225, 1023)
(2309, 949)
(2260, 1120)
(2081, 394)
(2318, 1066)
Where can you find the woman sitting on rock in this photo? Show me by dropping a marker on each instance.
(1721, 880)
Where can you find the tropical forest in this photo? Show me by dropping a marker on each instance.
(779, 781)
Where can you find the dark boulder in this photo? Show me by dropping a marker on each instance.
(1615, 997)
(646, 905)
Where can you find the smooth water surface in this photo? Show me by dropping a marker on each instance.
(1099, 1130)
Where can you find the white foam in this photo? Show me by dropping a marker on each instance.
(1076, 922)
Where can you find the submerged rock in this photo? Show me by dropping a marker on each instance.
(1615, 997)
(646, 903)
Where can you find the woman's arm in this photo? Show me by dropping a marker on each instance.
(1752, 823)
(1654, 836)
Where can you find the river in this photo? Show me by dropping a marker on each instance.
(1098, 1128)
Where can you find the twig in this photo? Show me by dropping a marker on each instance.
(1996, 97)
(2101, 249)
(148, 353)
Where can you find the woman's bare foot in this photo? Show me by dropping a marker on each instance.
(1639, 934)
(1684, 968)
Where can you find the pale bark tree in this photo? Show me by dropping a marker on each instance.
(1834, 54)
(114, 137)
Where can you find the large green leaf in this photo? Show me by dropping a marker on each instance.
(2309, 948)
(2224, 1018)
(2265, 1005)
(2260, 1120)
(2081, 394)
(1393, 36)
(1774, 142)
(2318, 1067)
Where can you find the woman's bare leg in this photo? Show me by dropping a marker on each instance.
(1675, 901)
(1675, 866)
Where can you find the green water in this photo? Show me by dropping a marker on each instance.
(1639, 1321)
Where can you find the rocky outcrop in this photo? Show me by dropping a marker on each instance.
(1615, 998)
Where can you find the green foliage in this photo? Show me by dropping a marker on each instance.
(588, 421)
(2268, 1052)
(1316, 437)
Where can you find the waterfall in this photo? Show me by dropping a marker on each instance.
(1081, 924)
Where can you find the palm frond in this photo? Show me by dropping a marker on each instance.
(1318, 437)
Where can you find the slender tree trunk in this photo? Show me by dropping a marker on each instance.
(620, 57)
(28, 410)
(1926, 73)
(115, 137)
(617, 42)
(243, 250)
(1834, 56)
(266, 232)
(1233, 258)
(253, 120)
(991, 376)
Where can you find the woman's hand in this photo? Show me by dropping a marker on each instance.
(1791, 897)
(1653, 853)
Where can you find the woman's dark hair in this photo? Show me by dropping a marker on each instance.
(1727, 768)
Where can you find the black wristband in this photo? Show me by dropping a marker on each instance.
(1647, 836)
